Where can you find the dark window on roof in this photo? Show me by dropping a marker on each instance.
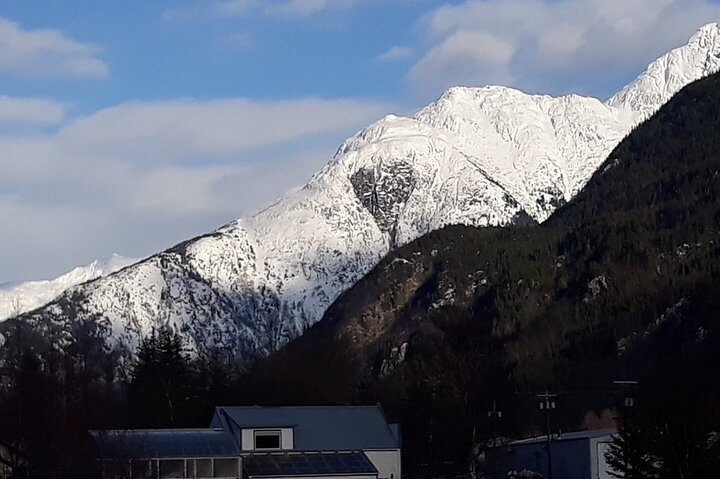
(267, 440)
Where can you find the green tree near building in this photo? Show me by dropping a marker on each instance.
(160, 392)
(674, 429)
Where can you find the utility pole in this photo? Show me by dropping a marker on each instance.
(494, 415)
(628, 395)
(431, 425)
(547, 404)
(628, 387)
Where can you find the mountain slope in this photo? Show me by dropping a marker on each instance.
(477, 156)
(23, 297)
(464, 320)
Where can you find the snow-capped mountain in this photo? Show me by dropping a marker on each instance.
(668, 74)
(20, 298)
(476, 156)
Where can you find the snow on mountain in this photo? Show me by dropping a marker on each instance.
(19, 298)
(668, 74)
(477, 156)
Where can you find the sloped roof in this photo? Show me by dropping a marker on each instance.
(568, 436)
(316, 428)
(165, 443)
(308, 464)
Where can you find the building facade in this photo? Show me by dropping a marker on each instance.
(353, 442)
(575, 455)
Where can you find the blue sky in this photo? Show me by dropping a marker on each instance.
(165, 50)
(127, 126)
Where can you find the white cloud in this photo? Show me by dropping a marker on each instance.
(232, 8)
(180, 129)
(553, 46)
(34, 111)
(301, 7)
(138, 177)
(470, 55)
(180, 191)
(47, 52)
(394, 54)
(241, 8)
(204, 10)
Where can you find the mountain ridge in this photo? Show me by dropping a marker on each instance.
(619, 283)
(488, 156)
(18, 298)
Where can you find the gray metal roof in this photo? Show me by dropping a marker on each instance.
(295, 464)
(317, 428)
(165, 443)
(568, 436)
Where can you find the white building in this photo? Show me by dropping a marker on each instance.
(353, 442)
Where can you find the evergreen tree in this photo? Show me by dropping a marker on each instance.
(49, 399)
(629, 456)
(160, 388)
(674, 432)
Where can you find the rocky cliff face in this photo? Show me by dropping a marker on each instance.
(477, 156)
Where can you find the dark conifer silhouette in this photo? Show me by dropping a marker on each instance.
(160, 387)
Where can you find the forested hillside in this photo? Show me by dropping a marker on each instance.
(621, 283)
(479, 156)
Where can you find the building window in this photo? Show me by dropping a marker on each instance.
(116, 468)
(141, 469)
(226, 468)
(267, 440)
(203, 468)
(172, 468)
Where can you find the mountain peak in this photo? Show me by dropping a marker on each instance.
(486, 156)
(664, 77)
(712, 29)
(23, 297)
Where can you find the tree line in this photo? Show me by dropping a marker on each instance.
(620, 282)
